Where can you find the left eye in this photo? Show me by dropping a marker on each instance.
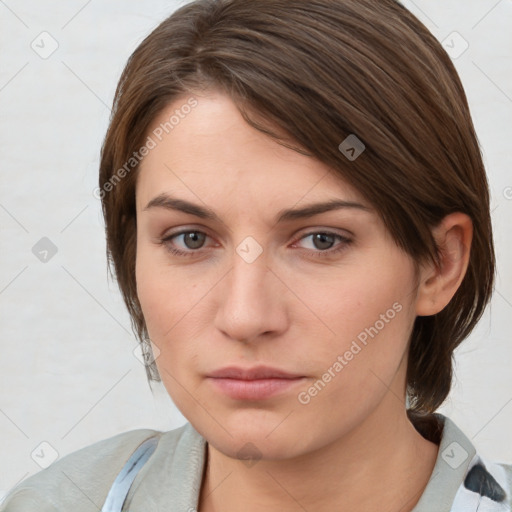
(324, 241)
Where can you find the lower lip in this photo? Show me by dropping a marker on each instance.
(257, 389)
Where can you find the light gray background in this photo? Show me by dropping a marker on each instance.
(69, 376)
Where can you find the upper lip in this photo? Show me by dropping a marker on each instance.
(257, 372)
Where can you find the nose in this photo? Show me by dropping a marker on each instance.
(251, 301)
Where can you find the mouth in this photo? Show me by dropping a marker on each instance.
(256, 383)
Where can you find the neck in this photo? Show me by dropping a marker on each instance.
(382, 464)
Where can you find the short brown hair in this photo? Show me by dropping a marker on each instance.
(321, 70)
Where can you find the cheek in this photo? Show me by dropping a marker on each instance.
(163, 295)
(172, 301)
(153, 298)
(165, 308)
(364, 321)
(156, 298)
(341, 304)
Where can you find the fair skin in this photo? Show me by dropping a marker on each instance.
(297, 306)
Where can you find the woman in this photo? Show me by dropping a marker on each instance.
(297, 214)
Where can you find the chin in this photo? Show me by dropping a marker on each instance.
(253, 448)
(253, 436)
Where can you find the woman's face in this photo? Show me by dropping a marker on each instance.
(327, 297)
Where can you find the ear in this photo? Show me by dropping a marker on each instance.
(438, 284)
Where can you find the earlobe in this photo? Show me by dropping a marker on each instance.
(439, 283)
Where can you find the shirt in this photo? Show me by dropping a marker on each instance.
(167, 473)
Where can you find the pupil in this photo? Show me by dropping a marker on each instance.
(193, 240)
(323, 238)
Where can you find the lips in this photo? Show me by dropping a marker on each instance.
(258, 372)
(256, 383)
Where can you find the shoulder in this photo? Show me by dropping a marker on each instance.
(82, 478)
(486, 486)
(464, 480)
(505, 471)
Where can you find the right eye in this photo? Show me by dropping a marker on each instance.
(191, 241)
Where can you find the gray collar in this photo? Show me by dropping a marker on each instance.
(181, 455)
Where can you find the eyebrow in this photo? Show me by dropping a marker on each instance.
(172, 203)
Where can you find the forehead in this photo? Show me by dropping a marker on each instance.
(203, 146)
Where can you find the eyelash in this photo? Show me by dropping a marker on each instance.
(345, 242)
